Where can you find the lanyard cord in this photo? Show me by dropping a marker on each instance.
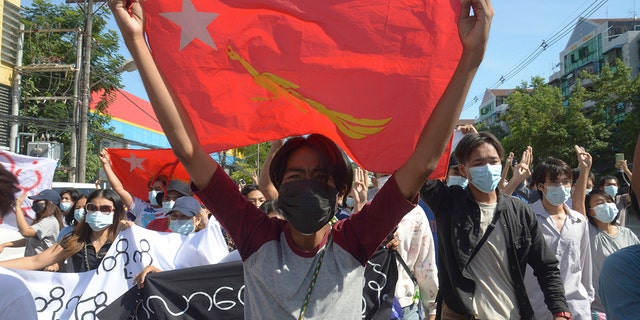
(315, 272)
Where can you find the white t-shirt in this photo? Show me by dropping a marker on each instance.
(144, 212)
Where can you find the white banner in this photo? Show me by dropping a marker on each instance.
(83, 295)
(34, 175)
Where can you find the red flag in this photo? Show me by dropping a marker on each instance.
(135, 168)
(367, 74)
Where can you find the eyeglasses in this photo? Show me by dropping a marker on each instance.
(106, 209)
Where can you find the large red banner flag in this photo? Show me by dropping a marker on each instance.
(367, 74)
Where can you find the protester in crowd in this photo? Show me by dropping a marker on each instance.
(485, 241)
(142, 211)
(175, 190)
(283, 259)
(16, 301)
(611, 186)
(67, 198)
(270, 207)
(606, 238)
(454, 177)
(414, 245)
(44, 230)
(566, 232)
(619, 283)
(184, 217)
(253, 194)
(74, 216)
(90, 240)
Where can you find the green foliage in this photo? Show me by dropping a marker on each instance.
(538, 118)
(617, 97)
(253, 159)
(60, 48)
(601, 115)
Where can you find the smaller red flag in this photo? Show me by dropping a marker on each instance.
(135, 168)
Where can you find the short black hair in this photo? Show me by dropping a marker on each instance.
(551, 166)
(587, 205)
(472, 141)
(248, 189)
(331, 159)
(73, 193)
(576, 175)
(604, 179)
(270, 206)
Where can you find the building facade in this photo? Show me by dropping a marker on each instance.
(9, 35)
(492, 107)
(594, 43)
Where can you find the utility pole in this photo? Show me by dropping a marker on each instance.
(15, 102)
(86, 93)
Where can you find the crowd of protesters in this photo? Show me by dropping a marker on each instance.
(534, 243)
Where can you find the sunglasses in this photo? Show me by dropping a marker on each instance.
(106, 209)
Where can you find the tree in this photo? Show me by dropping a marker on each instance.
(252, 159)
(54, 118)
(539, 118)
(615, 97)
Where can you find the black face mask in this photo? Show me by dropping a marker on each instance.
(37, 207)
(307, 204)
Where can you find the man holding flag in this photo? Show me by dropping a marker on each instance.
(306, 266)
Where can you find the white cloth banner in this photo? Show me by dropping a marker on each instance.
(34, 175)
(83, 295)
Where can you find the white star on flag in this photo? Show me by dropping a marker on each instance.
(193, 24)
(135, 162)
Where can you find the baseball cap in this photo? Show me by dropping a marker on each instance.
(180, 187)
(48, 195)
(187, 205)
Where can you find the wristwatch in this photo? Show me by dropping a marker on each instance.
(565, 314)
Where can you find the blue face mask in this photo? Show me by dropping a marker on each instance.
(98, 220)
(78, 214)
(487, 177)
(557, 195)
(65, 206)
(167, 206)
(349, 202)
(611, 190)
(606, 212)
(457, 181)
(153, 194)
(183, 227)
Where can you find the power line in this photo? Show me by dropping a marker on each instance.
(544, 45)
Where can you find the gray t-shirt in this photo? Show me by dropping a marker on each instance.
(47, 231)
(603, 245)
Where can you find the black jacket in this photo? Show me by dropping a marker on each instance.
(458, 219)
